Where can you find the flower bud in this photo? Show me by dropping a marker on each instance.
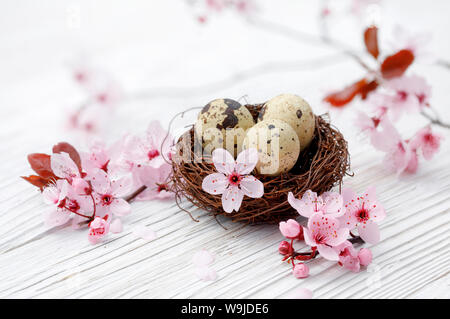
(291, 229)
(365, 256)
(300, 271)
(284, 248)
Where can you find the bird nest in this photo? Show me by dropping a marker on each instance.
(320, 167)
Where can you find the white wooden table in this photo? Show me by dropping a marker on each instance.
(158, 44)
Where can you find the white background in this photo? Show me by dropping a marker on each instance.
(158, 47)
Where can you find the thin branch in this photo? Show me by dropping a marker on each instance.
(132, 196)
(435, 121)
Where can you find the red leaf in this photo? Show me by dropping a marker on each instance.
(37, 181)
(371, 41)
(40, 163)
(345, 96)
(366, 89)
(67, 148)
(395, 65)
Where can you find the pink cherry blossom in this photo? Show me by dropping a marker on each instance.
(328, 203)
(150, 149)
(156, 179)
(116, 226)
(290, 229)
(325, 232)
(365, 256)
(412, 93)
(99, 228)
(348, 257)
(366, 123)
(364, 212)
(427, 141)
(64, 203)
(203, 258)
(398, 152)
(232, 180)
(96, 158)
(108, 194)
(300, 271)
(81, 186)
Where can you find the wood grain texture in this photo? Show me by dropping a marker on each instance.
(411, 261)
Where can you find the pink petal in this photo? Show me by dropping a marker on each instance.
(230, 198)
(145, 233)
(50, 195)
(341, 236)
(122, 186)
(246, 161)
(334, 204)
(100, 181)
(328, 253)
(299, 205)
(116, 226)
(206, 273)
(215, 183)
(203, 258)
(308, 237)
(54, 217)
(223, 161)
(120, 207)
(252, 187)
(369, 232)
(386, 139)
(63, 166)
(302, 293)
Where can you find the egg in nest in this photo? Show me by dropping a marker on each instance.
(293, 110)
(277, 144)
(223, 123)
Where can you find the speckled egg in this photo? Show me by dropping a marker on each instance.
(277, 144)
(223, 123)
(293, 110)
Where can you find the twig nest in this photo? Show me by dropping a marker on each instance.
(222, 123)
(320, 166)
(293, 110)
(277, 144)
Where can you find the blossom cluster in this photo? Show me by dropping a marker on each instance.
(332, 220)
(94, 188)
(392, 94)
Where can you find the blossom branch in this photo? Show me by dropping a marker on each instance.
(136, 193)
(435, 120)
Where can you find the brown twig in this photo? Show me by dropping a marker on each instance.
(435, 121)
(132, 196)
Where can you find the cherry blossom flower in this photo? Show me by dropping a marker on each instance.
(412, 93)
(99, 228)
(65, 202)
(348, 257)
(300, 271)
(325, 232)
(427, 141)
(364, 212)
(366, 123)
(232, 179)
(398, 153)
(329, 203)
(291, 229)
(96, 158)
(108, 193)
(156, 180)
(417, 43)
(152, 147)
